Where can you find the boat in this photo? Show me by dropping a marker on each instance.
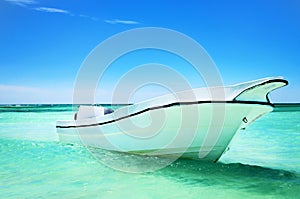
(197, 123)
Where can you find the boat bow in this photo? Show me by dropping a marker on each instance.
(258, 90)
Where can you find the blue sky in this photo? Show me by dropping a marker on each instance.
(43, 43)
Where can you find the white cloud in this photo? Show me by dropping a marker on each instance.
(53, 10)
(84, 16)
(117, 21)
(22, 2)
(25, 3)
(89, 17)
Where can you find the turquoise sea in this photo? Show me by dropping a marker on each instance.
(263, 162)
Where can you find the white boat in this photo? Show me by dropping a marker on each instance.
(198, 123)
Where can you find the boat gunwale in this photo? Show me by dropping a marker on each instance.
(167, 106)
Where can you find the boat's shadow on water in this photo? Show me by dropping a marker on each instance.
(201, 173)
(233, 176)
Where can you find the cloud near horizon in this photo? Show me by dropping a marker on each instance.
(117, 21)
(13, 88)
(16, 94)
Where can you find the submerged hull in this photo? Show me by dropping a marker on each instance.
(200, 129)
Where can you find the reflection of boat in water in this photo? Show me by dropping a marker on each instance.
(198, 123)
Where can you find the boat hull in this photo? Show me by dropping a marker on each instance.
(200, 130)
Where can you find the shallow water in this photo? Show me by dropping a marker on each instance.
(263, 162)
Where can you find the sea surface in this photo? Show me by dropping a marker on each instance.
(263, 162)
